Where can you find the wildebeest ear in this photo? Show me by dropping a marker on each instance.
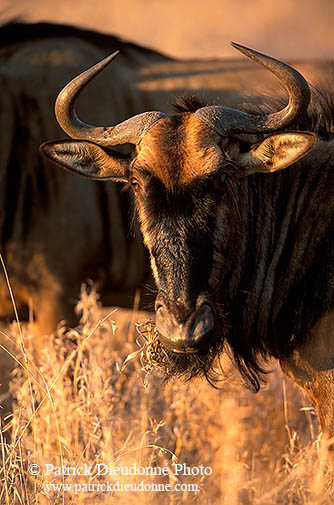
(277, 152)
(87, 159)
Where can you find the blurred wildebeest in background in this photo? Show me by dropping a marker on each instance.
(56, 232)
(237, 212)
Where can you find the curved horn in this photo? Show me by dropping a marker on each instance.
(130, 131)
(225, 120)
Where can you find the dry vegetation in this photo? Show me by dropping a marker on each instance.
(72, 406)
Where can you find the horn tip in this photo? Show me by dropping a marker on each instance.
(239, 47)
(113, 55)
(102, 64)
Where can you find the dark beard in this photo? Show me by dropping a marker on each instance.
(205, 362)
(186, 366)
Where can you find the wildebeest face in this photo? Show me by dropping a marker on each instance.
(177, 179)
(185, 177)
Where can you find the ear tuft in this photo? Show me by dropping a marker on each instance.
(87, 159)
(278, 151)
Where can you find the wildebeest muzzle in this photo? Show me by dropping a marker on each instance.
(181, 330)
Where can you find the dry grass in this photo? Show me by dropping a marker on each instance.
(72, 406)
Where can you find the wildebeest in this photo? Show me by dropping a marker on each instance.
(236, 209)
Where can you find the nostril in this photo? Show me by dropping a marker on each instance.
(203, 322)
(158, 306)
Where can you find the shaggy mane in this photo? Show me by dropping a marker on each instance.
(188, 102)
(319, 117)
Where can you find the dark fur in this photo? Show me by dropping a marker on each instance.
(319, 117)
(188, 103)
(36, 185)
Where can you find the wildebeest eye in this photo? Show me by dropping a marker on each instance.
(134, 184)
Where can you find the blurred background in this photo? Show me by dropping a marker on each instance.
(195, 29)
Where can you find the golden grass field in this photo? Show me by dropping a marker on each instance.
(73, 406)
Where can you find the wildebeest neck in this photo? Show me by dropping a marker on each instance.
(286, 218)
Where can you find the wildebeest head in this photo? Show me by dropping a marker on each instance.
(184, 176)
